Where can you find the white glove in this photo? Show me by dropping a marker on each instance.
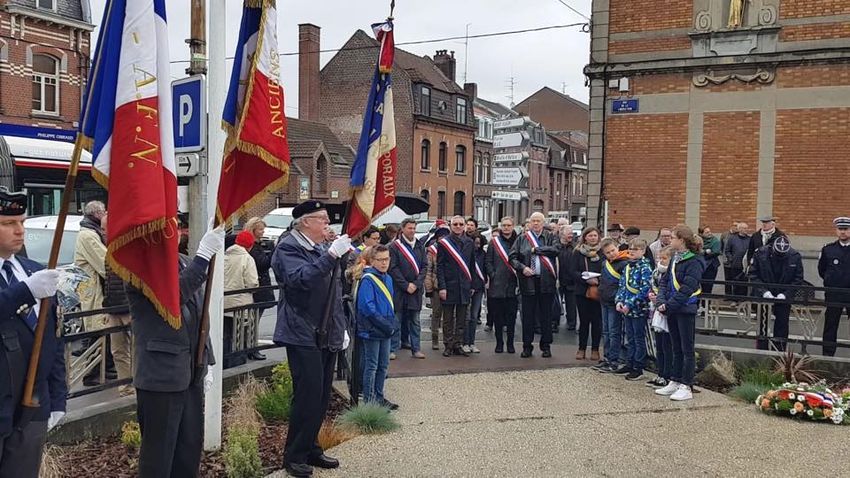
(768, 295)
(345, 340)
(43, 283)
(209, 379)
(212, 243)
(340, 246)
(55, 418)
(780, 296)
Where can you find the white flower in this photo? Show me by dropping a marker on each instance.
(801, 398)
(759, 399)
(793, 411)
(792, 396)
(837, 420)
(810, 413)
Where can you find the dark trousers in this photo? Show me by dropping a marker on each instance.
(734, 274)
(709, 276)
(20, 452)
(454, 318)
(172, 426)
(491, 320)
(682, 334)
(830, 327)
(537, 309)
(590, 322)
(663, 354)
(569, 298)
(781, 314)
(312, 376)
(504, 318)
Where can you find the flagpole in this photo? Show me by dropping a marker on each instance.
(27, 401)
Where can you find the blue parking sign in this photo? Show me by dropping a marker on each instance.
(189, 108)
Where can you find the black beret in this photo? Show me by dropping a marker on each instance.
(307, 207)
(12, 203)
(631, 231)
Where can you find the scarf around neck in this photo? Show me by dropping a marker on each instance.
(591, 252)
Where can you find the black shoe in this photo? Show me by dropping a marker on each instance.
(547, 353)
(405, 346)
(111, 375)
(459, 351)
(298, 469)
(525, 354)
(622, 370)
(91, 381)
(500, 349)
(571, 327)
(256, 355)
(511, 349)
(607, 368)
(388, 404)
(600, 366)
(447, 353)
(324, 461)
(634, 375)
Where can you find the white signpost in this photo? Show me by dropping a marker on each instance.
(507, 195)
(510, 140)
(508, 176)
(510, 157)
(510, 123)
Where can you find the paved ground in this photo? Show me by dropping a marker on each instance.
(576, 422)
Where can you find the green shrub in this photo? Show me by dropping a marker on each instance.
(274, 404)
(748, 391)
(131, 434)
(764, 377)
(369, 418)
(282, 377)
(242, 455)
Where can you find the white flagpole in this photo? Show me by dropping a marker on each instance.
(217, 91)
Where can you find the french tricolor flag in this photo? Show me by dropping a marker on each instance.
(256, 153)
(374, 169)
(126, 124)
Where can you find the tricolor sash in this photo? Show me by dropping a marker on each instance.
(455, 254)
(502, 252)
(480, 274)
(545, 260)
(408, 254)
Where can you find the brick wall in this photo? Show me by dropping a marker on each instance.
(663, 83)
(450, 181)
(730, 158)
(622, 47)
(809, 76)
(645, 161)
(811, 169)
(16, 74)
(812, 8)
(643, 15)
(820, 31)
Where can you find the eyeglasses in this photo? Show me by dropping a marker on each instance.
(321, 217)
(458, 224)
(636, 249)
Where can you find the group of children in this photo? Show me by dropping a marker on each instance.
(639, 300)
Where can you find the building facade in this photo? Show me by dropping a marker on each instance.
(433, 115)
(720, 111)
(568, 175)
(520, 173)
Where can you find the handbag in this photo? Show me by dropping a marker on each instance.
(592, 291)
(659, 322)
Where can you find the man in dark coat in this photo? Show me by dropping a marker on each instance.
(502, 296)
(764, 236)
(169, 384)
(566, 282)
(533, 257)
(23, 283)
(834, 269)
(735, 250)
(633, 232)
(407, 269)
(455, 266)
(306, 273)
(774, 273)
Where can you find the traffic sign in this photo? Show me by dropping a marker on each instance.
(510, 157)
(510, 140)
(509, 176)
(189, 108)
(507, 195)
(188, 164)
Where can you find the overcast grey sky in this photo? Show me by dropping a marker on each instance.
(553, 58)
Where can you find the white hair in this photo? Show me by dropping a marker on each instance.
(538, 215)
(94, 208)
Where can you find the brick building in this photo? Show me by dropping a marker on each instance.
(434, 121)
(555, 110)
(568, 174)
(44, 61)
(704, 115)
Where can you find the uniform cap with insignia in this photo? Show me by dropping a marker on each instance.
(842, 222)
(767, 218)
(781, 245)
(12, 203)
(307, 207)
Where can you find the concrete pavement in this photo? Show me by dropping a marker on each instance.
(577, 422)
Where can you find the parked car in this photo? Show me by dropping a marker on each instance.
(577, 227)
(277, 222)
(422, 228)
(38, 239)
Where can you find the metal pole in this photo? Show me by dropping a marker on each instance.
(217, 91)
(198, 66)
(197, 41)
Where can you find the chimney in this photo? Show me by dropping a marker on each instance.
(446, 63)
(308, 71)
(471, 90)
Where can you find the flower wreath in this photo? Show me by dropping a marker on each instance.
(813, 402)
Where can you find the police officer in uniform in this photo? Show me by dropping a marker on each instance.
(775, 270)
(834, 269)
(305, 270)
(23, 283)
(169, 387)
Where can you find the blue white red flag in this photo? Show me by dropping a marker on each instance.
(126, 124)
(256, 154)
(374, 170)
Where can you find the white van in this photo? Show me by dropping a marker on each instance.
(277, 222)
(38, 238)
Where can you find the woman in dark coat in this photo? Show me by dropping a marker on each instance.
(263, 260)
(587, 259)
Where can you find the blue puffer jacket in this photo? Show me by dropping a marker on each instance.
(375, 315)
(688, 273)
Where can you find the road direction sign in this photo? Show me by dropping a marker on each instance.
(509, 176)
(510, 157)
(189, 112)
(188, 164)
(507, 195)
(510, 140)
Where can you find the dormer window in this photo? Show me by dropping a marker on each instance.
(47, 4)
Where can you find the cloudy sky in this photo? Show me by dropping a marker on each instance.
(553, 58)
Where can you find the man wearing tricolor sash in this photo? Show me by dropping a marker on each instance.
(455, 266)
(533, 257)
(502, 277)
(407, 268)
